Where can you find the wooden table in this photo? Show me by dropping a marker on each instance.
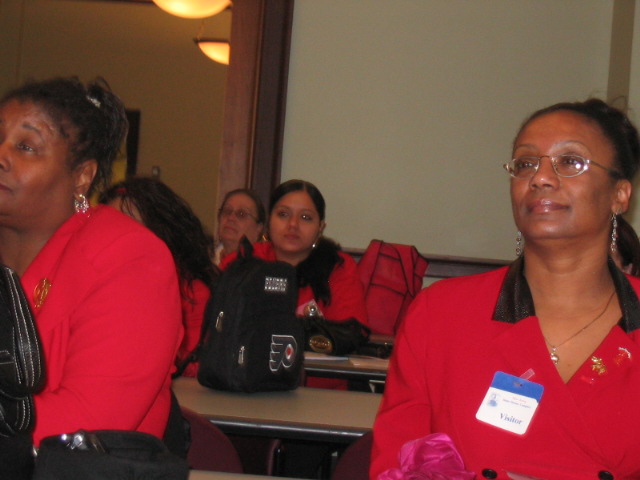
(333, 416)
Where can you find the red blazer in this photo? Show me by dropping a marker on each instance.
(447, 351)
(110, 325)
(194, 302)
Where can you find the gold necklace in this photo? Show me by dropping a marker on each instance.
(554, 348)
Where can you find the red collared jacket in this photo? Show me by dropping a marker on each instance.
(460, 332)
(105, 295)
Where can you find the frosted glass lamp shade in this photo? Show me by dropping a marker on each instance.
(215, 49)
(193, 8)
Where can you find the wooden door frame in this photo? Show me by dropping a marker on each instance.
(255, 96)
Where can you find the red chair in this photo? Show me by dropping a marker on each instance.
(354, 463)
(210, 448)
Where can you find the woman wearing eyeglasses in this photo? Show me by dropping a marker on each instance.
(241, 213)
(532, 370)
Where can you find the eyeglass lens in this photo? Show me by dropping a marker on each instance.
(239, 214)
(563, 165)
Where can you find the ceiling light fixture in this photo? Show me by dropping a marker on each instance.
(193, 8)
(214, 48)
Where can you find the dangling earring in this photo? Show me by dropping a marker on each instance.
(614, 233)
(519, 243)
(80, 204)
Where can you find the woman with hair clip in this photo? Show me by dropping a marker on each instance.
(103, 289)
(161, 210)
(531, 370)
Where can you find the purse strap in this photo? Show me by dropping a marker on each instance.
(22, 342)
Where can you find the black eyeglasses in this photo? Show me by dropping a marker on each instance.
(567, 165)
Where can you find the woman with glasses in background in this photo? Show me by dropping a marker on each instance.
(532, 370)
(241, 213)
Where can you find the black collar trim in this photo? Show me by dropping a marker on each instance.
(516, 303)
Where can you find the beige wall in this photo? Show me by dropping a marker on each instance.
(402, 112)
(634, 87)
(149, 59)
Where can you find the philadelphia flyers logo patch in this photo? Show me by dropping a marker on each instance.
(283, 352)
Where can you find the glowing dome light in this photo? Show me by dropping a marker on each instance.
(193, 8)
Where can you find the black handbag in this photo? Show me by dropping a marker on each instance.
(332, 338)
(106, 455)
(22, 371)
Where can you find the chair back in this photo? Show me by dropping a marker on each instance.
(259, 455)
(354, 463)
(210, 448)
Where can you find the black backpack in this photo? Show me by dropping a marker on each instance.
(252, 340)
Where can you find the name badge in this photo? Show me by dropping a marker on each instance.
(510, 403)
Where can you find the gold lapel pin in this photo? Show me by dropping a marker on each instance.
(41, 291)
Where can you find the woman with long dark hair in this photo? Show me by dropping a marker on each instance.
(165, 213)
(327, 277)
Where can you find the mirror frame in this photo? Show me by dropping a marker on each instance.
(255, 96)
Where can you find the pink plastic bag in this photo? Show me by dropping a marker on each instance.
(433, 457)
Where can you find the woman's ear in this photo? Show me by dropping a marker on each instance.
(622, 196)
(84, 175)
(322, 225)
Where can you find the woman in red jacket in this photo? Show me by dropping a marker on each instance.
(103, 289)
(532, 370)
(165, 213)
(327, 278)
(326, 275)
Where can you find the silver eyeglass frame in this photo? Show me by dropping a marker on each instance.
(553, 158)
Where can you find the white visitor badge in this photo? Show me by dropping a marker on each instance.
(510, 403)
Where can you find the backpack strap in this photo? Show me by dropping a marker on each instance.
(245, 250)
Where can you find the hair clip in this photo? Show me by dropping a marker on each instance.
(94, 100)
